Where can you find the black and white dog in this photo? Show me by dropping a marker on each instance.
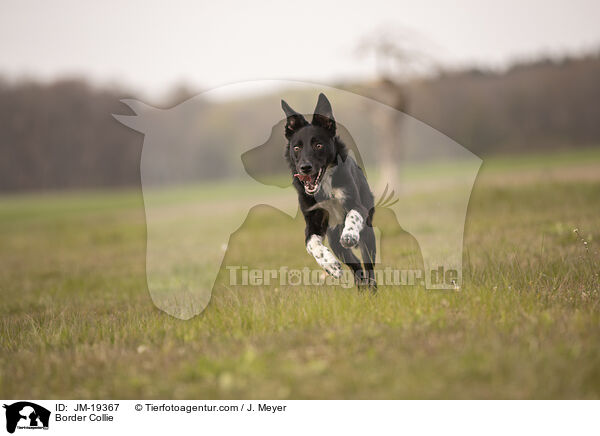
(333, 193)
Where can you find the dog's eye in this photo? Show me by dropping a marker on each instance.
(319, 146)
(296, 148)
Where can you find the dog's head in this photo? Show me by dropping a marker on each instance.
(311, 147)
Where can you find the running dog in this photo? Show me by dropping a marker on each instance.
(333, 193)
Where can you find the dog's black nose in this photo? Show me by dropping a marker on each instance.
(306, 168)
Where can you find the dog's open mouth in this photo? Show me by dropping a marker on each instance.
(312, 182)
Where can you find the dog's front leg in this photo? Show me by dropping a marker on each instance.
(323, 256)
(353, 225)
(316, 226)
(355, 218)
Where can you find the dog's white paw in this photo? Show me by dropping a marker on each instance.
(324, 256)
(349, 239)
(352, 228)
(334, 269)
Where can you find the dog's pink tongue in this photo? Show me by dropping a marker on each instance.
(302, 177)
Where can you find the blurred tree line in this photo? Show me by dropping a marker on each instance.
(62, 134)
(532, 106)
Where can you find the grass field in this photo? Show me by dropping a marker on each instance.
(76, 320)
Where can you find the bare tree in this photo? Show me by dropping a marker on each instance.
(398, 58)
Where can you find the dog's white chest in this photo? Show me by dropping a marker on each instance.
(338, 194)
(328, 190)
(331, 199)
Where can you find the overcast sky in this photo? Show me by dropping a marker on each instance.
(151, 45)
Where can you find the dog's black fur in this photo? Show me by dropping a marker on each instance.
(328, 179)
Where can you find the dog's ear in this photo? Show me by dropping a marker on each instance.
(295, 121)
(323, 116)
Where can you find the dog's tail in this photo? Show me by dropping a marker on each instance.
(386, 201)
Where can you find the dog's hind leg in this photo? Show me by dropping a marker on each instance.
(368, 249)
(345, 254)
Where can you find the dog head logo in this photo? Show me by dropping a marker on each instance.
(416, 173)
(26, 415)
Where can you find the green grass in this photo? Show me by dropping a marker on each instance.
(76, 320)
